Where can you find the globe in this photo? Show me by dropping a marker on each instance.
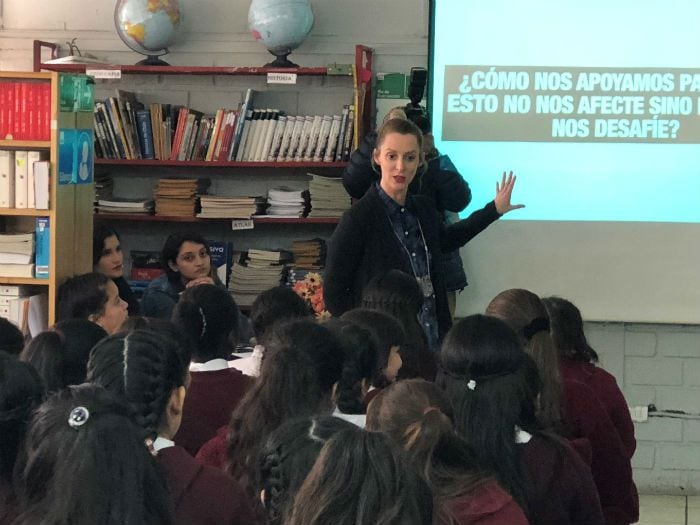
(281, 25)
(148, 26)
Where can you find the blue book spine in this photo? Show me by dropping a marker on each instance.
(143, 121)
(221, 254)
(42, 245)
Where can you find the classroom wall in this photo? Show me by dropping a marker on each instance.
(657, 364)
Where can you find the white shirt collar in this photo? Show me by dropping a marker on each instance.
(209, 366)
(160, 443)
(522, 437)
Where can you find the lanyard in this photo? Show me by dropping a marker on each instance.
(424, 281)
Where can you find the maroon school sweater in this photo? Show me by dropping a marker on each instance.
(489, 504)
(604, 386)
(210, 400)
(203, 495)
(585, 417)
(558, 484)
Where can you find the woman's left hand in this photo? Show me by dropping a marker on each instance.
(504, 190)
(198, 281)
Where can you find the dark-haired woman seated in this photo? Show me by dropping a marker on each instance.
(108, 258)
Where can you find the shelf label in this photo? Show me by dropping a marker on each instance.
(104, 73)
(281, 78)
(242, 224)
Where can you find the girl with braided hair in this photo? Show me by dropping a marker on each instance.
(20, 392)
(286, 459)
(571, 407)
(146, 370)
(494, 387)
(209, 317)
(417, 416)
(84, 462)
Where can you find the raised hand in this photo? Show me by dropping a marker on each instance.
(504, 190)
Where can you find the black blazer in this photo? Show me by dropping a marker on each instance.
(364, 246)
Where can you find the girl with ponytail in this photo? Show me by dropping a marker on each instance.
(417, 416)
(147, 371)
(494, 387)
(210, 319)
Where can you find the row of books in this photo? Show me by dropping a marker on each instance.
(25, 110)
(24, 179)
(26, 254)
(125, 129)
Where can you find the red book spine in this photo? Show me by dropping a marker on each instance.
(33, 111)
(145, 274)
(24, 112)
(3, 109)
(45, 112)
(181, 122)
(10, 121)
(17, 112)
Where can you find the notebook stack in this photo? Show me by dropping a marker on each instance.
(17, 255)
(215, 207)
(122, 205)
(285, 202)
(259, 271)
(310, 254)
(178, 197)
(104, 186)
(328, 196)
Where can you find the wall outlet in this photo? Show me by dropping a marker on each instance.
(640, 414)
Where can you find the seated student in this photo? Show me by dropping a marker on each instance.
(145, 370)
(21, 392)
(360, 478)
(577, 361)
(578, 410)
(186, 262)
(303, 362)
(11, 338)
(94, 297)
(494, 386)
(388, 338)
(417, 416)
(276, 305)
(399, 295)
(286, 459)
(84, 435)
(60, 355)
(208, 316)
(108, 258)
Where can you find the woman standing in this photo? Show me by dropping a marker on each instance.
(388, 230)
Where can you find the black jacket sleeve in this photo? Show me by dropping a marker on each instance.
(359, 175)
(445, 185)
(345, 249)
(456, 235)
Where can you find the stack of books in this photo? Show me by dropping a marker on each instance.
(104, 187)
(122, 205)
(178, 197)
(145, 266)
(310, 254)
(25, 308)
(216, 207)
(17, 255)
(285, 202)
(259, 271)
(328, 196)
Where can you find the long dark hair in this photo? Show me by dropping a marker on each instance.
(210, 318)
(527, 316)
(11, 338)
(171, 248)
(302, 363)
(360, 478)
(287, 457)
(141, 368)
(61, 355)
(399, 295)
(566, 327)
(273, 306)
(100, 233)
(82, 296)
(417, 416)
(21, 390)
(85, 462)
(493, 386)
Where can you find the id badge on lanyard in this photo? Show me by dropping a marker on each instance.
(426, 284)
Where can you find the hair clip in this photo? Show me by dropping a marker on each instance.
(204, 323)
(78, 416)
(471, 384)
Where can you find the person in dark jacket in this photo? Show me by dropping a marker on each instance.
(440, 182)
(390, 229)
(108, 258)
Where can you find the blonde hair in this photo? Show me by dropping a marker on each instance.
(402, 127)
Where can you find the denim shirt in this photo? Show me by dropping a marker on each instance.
(408, 231)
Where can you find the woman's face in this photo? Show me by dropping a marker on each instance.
(192, 261)
(111, 262)
(394, 363)
(115, 312)
(398, 158)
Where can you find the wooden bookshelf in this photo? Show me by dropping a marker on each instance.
(25, 144)
(24, 212)
(142, 217)
(25, 280)
(210, 164)
(185, 70)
